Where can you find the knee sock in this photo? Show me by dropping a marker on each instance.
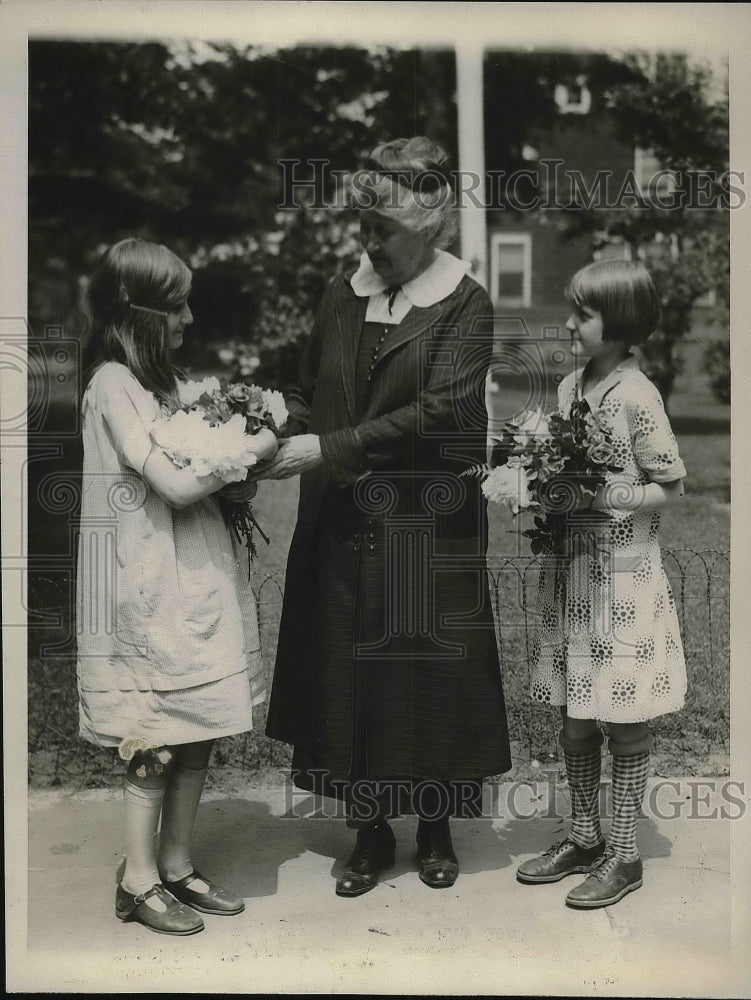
(142, 807)
(178, 816)
(583, 771)
(583, 763)
(629, 784)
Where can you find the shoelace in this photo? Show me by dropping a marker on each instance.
(555, 848)
(603, 866)
(559, 846)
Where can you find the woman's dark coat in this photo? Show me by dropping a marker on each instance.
(387, 628)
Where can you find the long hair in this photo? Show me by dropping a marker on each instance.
(135, 273)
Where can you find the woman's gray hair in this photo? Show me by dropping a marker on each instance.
(408, 179)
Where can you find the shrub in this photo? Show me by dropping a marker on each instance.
(717, 361)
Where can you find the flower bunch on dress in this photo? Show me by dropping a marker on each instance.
(553, 464)
(211, 434)
(152, 759)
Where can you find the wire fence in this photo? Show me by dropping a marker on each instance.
(699, 581)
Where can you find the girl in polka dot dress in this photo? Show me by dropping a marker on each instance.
(608, 647)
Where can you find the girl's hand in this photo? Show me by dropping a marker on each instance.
(295, 455)
(564, 496)
(622, 494)
(264, 444)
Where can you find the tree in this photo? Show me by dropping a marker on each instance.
(667, 107)
(183, 145)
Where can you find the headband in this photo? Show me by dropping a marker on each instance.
(428, 180)
(145, 309)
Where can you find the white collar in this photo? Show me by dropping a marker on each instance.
(432, 285)
(597, 393)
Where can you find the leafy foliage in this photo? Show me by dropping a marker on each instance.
(668, 107)
(182, 144)
(717, 358)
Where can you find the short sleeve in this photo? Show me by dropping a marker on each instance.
(128, 410)
(653, 441)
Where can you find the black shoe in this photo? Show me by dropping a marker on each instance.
(374, 853)
(564, 858)
(608, 881)
(213, 900)
(175, 919)
(437, 864)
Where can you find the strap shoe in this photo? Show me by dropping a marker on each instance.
(214, 900)
(175, 919)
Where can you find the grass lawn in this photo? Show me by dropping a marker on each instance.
(694, 741)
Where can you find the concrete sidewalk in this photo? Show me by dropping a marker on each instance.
(488, 934)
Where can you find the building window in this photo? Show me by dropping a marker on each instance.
(511, 269)
(654, 181)
(573, 99)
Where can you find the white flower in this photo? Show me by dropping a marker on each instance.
(507, 484)
(226, 355)
(191, 391)
(224, 450)
(274, 403)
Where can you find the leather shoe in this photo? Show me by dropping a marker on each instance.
(214, 900)
(608, 881)
(438, 866)
(562, 859)
(176, 919)
(374, 853)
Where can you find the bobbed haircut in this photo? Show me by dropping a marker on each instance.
(623, 292)
(408, 180)
(136, 273)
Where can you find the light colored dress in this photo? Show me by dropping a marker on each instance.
(168, 645)
(608, 644)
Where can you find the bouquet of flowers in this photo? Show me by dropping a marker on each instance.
(549, 463)
(210, 434)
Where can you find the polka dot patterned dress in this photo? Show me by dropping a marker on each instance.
(608, 644)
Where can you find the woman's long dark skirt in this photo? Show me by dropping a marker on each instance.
(387, 667)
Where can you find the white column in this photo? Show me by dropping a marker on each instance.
(469, 107)
(472, 212)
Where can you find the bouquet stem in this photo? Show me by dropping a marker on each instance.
(241, 522)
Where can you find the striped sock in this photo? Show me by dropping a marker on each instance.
(629, 785)
(583, 771)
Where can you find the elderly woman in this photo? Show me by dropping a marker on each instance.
(387, 678)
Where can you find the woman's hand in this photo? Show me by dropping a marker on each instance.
(295, 455)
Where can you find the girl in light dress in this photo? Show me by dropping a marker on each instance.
(608, 646)
(168, 649)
